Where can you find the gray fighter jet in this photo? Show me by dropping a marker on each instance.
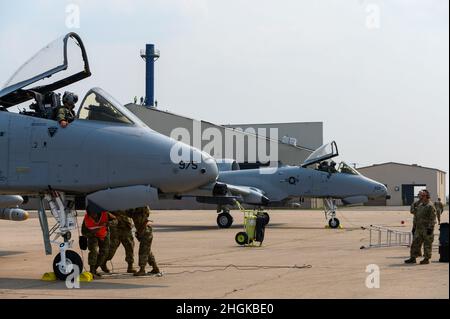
(317, 177)
(105, 156)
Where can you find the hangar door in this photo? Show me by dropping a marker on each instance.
(4, 123)
(409, 192)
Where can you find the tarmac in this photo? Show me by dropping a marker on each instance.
(299, 258)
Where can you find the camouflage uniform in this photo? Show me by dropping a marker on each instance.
(65, 114)
(439, 209)
(98, 249)
(412, 210)
(425, 219)
(144, 234)
(122, 234)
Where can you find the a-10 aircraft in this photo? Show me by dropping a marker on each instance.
(317, 177)
(106, 155)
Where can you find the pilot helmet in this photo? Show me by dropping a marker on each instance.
(333, 163)
(70, 98)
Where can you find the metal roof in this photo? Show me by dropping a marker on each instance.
(409, 165)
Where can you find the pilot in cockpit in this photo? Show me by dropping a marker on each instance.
(328, 167)
(332, 168)
(323, 166)
(66, 114)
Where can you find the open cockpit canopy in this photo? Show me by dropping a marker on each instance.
(323, 153)
(63, 62)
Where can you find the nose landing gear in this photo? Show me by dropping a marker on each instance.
(63, 269)
(225, 220)
(64, 213)
(330, 213)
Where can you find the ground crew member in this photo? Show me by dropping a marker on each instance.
(121, 234)
(66, 114)
(95, 228)
(425, 214)
(412, 210)
(144, 234)
(439, 209)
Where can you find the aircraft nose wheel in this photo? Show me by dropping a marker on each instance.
(334, 223)
(224, 220)
(63, 271)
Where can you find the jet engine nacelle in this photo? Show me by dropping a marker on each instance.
(352, 200)
(123, 198)
(225, 165)
(15, 214)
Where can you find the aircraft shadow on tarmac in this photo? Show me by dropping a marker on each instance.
(183, 228)
(402, 264)
(36, 284)
(10, 253)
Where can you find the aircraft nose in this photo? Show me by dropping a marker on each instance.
(379, 190)
(208, 167)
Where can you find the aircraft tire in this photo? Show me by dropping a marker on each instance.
(73, 258)
(242, 238)
(224, 220)
(334, 223)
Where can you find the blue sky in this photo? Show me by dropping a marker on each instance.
(381, 92)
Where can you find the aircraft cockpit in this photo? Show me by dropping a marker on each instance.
(100, 106)
(344, 168)
(332, 168)
(322, 154)
(59, 64)
(321, 158)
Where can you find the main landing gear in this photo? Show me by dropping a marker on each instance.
(330, 213)
(62, 209)
(225, 220)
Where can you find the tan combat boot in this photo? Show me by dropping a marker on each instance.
(141, 272)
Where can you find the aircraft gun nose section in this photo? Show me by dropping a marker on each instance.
(379, 190)
(208, 168)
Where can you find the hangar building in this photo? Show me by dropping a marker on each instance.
(295, 142)
(293, 149)
(404, 181)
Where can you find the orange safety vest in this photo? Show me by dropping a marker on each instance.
(91, 224)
